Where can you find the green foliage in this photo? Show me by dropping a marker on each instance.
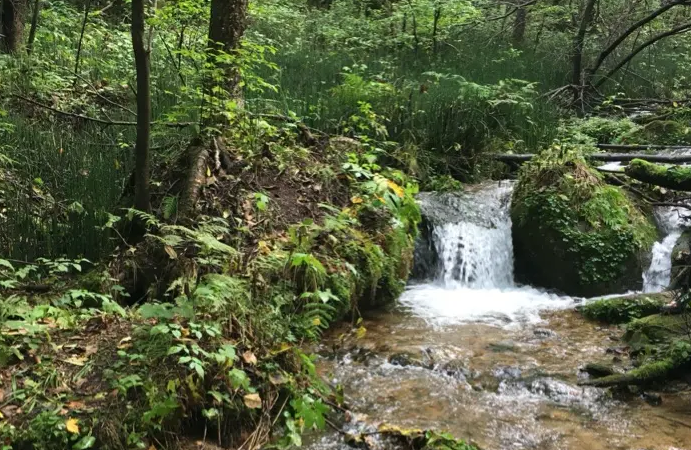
(623, 309)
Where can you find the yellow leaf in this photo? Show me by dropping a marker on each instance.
(316, 321)
(71, 426)
(208, 171)
(361, 332)
(356, 200)
(396, 188)
(675, 104)
(249, 357)
(117, 164)
(263, 247)
(252, 401)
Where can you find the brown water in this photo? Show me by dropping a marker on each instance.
(521, 389)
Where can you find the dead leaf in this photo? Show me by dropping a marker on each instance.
(171, 252)
(71, 425)
(277, 379)
(90, 350)
(252, 401)
(76, 405)
(249, 358)
(125, 343)
(2, 395)
(76, 360)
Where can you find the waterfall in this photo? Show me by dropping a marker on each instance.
(471, 234)
(467, 259)
(658, 275)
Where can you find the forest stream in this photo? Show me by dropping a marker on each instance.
(471, 352)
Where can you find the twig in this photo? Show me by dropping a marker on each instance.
(104, 98)
(81, 38)
(98, 120)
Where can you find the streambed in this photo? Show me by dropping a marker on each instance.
(471, 353)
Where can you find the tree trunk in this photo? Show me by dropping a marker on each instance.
(677, 178)
(141, 59)
(519, 26)
(12, 25)
(604, 157)
(579, 41)
(226, 27)
(34, 26)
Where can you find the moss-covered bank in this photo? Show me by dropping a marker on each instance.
(625, 308)
(574, 233)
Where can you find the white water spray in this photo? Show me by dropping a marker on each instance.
(658, 275)
(472, 238)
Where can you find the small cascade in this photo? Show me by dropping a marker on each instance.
(471, 235)
(468, 257)
(658, 275)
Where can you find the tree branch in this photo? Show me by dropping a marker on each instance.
(678, 30)
(613, 46)
(99, 120)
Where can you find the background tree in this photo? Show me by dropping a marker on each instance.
(12, 17)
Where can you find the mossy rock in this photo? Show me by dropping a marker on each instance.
(665, 132)
(681, 260)
(574, 233)
(626, 308)
(656, 329)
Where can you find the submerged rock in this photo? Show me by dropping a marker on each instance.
(456, 368)
(652, 399)
(596, 370)
(574, 233)
(406, 359)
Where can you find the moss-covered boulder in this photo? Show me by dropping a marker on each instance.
(658, 328)
(574, 233)
(625, 308)
(681, 262)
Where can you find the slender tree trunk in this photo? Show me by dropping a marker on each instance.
(12, 24)
(435, 28)
(579, 41)
(226, 27)
(81, 39)
(141, 59)
(34, 26)
(519, 26)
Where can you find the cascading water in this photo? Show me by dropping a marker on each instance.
(657, 277)
(501, 369)
(473, 279)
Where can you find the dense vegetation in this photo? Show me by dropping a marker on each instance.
(191, 191)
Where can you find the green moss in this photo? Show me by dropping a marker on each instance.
(624, 309)
(666, 132)
(656, 329)
(573, 232)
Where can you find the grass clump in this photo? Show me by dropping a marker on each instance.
(574, 233)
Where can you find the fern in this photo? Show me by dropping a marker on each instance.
(169, 205)
(148, 219)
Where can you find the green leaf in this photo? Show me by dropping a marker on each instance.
(84, 443)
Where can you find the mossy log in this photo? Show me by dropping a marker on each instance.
(625, 308)
(642, 375)
(676, 177)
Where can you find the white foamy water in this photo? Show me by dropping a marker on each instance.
(658, 275)
(476, 281)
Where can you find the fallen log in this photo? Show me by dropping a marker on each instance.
(604, 157)
(639, 147)
(677, 178)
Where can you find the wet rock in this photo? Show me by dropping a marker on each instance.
(506, 373)
(652, 399)
(456, 368)
(504, 346)
(544, 333)
(407, 359)
(596, 370)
